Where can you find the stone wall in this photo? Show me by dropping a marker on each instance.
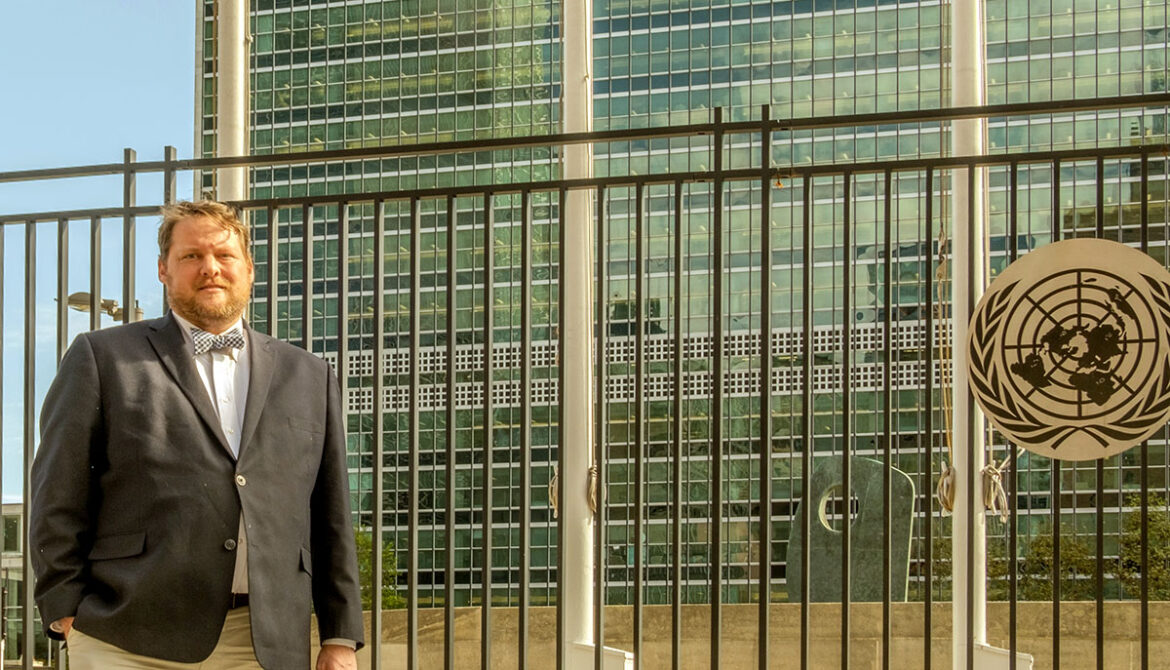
(1078, 625)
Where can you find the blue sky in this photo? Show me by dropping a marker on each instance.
(80, 80)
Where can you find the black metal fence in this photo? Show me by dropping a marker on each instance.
(773, 369)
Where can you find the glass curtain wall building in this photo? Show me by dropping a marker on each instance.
(336, 74)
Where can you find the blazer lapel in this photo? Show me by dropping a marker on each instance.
(176, 357)
(263, 365)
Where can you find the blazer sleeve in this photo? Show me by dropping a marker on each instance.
(336, 588)
(60, 532)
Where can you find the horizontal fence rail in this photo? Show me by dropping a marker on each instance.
(772, 379)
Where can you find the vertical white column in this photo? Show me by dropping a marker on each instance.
(577, 320)
(579, 642)
(968, 138)
(231, 96)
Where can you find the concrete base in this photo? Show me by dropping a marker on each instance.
(739, 639)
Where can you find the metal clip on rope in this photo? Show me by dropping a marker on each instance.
(945, 490)
(593, 495)
(994, 496)
(553, 500)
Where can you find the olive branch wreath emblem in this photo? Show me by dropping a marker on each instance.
(1140, 417)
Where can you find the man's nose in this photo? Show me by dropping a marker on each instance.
(210, 266)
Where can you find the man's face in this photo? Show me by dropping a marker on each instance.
(207, 274)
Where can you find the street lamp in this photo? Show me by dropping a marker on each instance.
(80, 301)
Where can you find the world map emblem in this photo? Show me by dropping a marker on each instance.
(1068, 351)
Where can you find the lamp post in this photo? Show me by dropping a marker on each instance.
(82, 302)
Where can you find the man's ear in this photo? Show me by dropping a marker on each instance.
(162, 270)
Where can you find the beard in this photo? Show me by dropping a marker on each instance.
(198, 312)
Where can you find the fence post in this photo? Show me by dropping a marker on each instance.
(129, 233)
(28, 604)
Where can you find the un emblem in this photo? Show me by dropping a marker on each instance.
(1068, 353)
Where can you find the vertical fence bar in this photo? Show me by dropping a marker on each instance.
(602, 430)
(452, 421)
(525, 549)
(640, 294)
(27, 611)
(1055, 464)
(717, 413)
(975, 628)
(307, 278)
(273, 261)
(1013, 474)
(1145, 448)
(3, 529)
(415, 401)
(1099, 572)
(379, 369)
(676, 456)
(129, 253)
(928, 393)
(763, 625)
(489, 269)
(95, 273)
(343, 340)
(343, 336)
(887, 414)
(562, 434)
(343, 298)
(62, 287)
(846, 425)
(170, 191)
(806, 408)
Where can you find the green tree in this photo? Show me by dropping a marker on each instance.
(941, 583)
(365, 554)
(1078, 563)
(1034, 567)
(1129, 560)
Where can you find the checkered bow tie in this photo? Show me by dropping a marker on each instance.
(205, 341)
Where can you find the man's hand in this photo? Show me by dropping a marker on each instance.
(336, 657)
(63, 626)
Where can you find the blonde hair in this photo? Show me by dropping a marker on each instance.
(222, 214)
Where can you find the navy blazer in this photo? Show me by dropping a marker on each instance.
(136, 499)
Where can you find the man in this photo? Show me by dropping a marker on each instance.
(190, 495)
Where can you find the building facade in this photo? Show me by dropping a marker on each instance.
(345, 74)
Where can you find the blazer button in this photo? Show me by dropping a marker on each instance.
(241, 481)
(229, 544)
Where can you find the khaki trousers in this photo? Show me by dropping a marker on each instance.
(233, 651)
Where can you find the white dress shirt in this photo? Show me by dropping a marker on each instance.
(225, 374)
